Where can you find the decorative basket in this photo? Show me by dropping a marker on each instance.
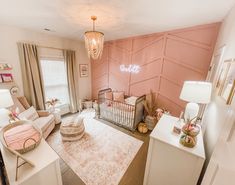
(24, 148)
(151, 122)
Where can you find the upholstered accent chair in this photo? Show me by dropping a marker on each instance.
(43, 119)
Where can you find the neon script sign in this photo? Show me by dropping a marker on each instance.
(130, 69)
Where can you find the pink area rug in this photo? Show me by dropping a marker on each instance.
(101, 157)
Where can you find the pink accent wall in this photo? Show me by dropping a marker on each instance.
(166, 60)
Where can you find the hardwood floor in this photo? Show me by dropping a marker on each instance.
(135, 172)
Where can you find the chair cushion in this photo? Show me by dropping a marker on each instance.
(29, 114)
(44, 122)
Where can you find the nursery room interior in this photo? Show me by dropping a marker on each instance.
(137, 92)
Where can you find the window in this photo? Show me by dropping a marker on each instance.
(55, 80)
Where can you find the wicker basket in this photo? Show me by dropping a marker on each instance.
(23, 149)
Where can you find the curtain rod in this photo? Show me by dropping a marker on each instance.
(49, 47)
(55, 48)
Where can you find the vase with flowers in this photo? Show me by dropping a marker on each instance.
(150, 106)
(51, 104)
(190, 131)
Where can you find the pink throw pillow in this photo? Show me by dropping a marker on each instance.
(108, 95)
(118, 96)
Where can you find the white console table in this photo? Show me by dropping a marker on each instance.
(46, 170)
(170, 163)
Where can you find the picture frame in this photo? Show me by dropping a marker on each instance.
(231, 95)
(226, 81)
(6, 77)
(83, 68)
(222, 76)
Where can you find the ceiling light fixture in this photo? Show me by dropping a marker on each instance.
(94, 41)
(47, 29)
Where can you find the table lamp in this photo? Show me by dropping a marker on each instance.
(195, 92)
(5, 102)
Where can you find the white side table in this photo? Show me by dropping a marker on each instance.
(57, 116)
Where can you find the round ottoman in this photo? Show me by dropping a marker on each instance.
(72, 128)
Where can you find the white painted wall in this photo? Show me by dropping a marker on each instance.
(217, 111)
(9, 36)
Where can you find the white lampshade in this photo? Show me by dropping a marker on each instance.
(5, 98)
(196, 92)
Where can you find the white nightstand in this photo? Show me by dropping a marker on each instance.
(170, 163)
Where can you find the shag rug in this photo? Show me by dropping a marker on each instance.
(102, 156)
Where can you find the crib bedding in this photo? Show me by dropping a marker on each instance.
(118, 105)
(127, 113)
(118, 110)
(119, 118)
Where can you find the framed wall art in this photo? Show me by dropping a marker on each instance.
(226, 80)
(83, 70)
(231, 94)
(222, 75)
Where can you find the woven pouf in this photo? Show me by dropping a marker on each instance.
(72, 129)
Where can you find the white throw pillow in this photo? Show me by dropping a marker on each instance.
(131, 100)
(29, 114)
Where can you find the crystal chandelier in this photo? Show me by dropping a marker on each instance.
(94, 41)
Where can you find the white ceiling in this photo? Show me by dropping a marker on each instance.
(116, 18)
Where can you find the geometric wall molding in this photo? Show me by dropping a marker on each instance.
(166, 60)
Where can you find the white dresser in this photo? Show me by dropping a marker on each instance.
(170, 163)
(45, 172)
